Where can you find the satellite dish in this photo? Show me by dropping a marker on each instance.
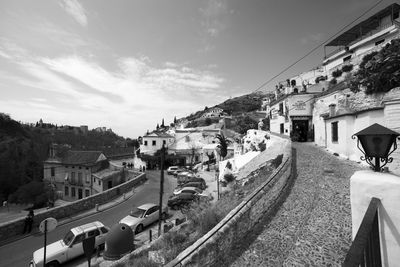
(51, 225)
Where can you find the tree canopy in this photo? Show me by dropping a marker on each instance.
(379, 71)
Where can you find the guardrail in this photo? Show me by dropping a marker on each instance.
(365, 249)
(240, 221)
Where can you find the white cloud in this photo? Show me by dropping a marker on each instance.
(135, 91)
(75, 9)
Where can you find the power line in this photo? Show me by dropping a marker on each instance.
(312, 50)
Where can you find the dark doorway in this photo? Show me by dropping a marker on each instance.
(282, 128)
(80, 193)
(109, 183)
(300, 130)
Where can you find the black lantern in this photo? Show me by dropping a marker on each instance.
(377, 142)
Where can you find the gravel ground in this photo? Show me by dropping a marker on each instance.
(313, 226)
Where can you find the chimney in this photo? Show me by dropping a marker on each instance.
(332, 110)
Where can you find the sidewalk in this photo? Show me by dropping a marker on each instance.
(313, 226)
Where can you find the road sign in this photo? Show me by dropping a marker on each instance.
(51, 225)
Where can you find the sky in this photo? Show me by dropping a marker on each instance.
(127, 64)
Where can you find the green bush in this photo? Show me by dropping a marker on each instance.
(262, 146)
(379, 71)
(337, 73)
(229, 177)
(333, 82)
(347, 68)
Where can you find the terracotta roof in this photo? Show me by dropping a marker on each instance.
(118, 151)
(159, 134)
(81, 157)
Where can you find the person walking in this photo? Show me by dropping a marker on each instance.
(28, 222)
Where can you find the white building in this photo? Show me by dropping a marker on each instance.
(154, 141)
(367, 36)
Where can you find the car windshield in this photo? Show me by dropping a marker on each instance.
(68, 238)
(138, 213)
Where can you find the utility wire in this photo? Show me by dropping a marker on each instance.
(312, 50)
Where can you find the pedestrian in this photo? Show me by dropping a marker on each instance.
(28, 222)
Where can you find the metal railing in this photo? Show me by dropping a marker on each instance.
(365, 249)
(362, 37)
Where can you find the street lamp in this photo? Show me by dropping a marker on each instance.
(377, 142)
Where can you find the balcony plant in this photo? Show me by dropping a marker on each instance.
(337, 73)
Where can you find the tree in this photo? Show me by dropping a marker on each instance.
(158, 126)
(175, 120)
(223, 143)
(162, 123)
(208, 121)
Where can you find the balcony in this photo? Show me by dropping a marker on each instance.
(380, 30)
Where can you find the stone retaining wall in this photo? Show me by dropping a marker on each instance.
(214, 247)
(15, 227)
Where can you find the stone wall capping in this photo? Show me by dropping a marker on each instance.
(14, 228)
(220, 236)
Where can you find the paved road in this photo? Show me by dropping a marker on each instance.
(19, 253)
(313, 226)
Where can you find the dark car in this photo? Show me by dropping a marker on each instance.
(190, 178)
(201, 184)
(183, 199)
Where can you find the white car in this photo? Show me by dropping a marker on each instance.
(71, 245)
(143, 216)
(171, 169)
(188, 189)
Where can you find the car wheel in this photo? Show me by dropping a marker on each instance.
(52, 264)
(139, 228)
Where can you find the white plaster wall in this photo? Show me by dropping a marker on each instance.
(367, 184)
(361, 122)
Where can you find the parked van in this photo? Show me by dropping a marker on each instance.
(171, 169)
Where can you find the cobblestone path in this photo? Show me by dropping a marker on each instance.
(313, 226)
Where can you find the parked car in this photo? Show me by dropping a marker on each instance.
(71, 245)
(143, 216)
(183, 199)
(192, 190)
(172, 169)
(178, 171)
(201, 184)
(189, 177)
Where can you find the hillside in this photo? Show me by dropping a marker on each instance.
(23, 149)
(242, 110)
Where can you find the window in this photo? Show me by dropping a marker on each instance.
(154, 142)
(94, 233)
(346, 58)
(79, 238)
(87, 178)
(379, 42)
(53, 171)
(280, 108)
(87, 193)
(145, 143)
(79, 177)
(66, 191)
(73, 177)
(334, 126)
(99, 182)
(282, 128)
(164, 142)
(72, 191)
